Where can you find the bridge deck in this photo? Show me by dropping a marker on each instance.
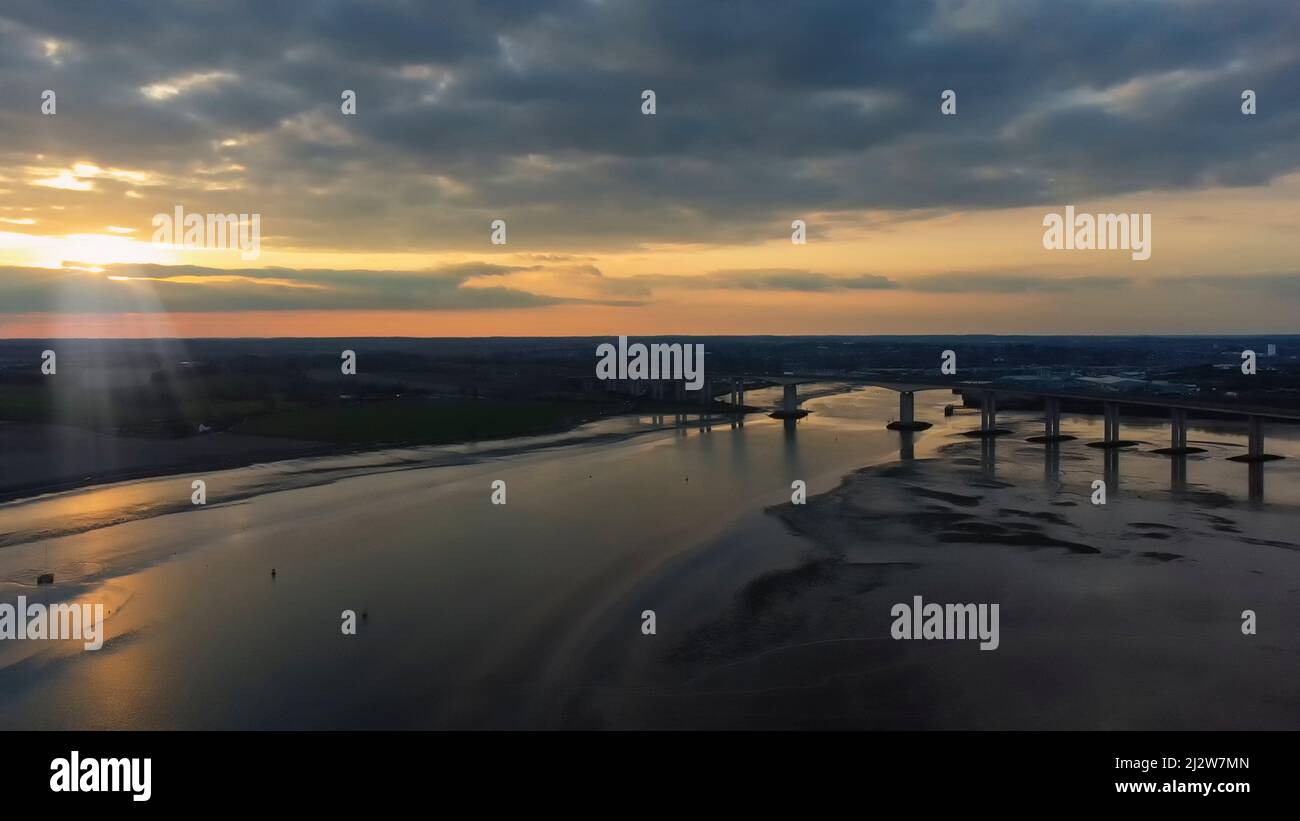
(974, 387)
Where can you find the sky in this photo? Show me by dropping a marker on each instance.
(618, 221)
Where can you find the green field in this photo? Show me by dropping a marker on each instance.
(101, 411)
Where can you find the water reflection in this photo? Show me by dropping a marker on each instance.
(667, 520)
(1111, 470)
(906, 445)
(1052, 466)
(989, 455)
(1255, 481)
(1178, 474)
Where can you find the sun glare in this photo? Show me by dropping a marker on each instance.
(68, 249)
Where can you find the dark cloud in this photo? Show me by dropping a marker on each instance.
(179, 288)
(530, 111)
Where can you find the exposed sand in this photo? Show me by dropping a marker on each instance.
(1126, 615)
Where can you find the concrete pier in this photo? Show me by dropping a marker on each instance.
(1254, 443)
(1051, 422)
(907, 414)
(1178, 435)
(988, 417)
(1110, 413)
(789, 404)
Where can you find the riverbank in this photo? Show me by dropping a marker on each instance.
(531, 614)
(37, 459)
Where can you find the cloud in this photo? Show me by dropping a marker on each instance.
(748, 279)
(975, 282)
(802, 281)
(183, 288)
(1285, 285)
(529, 110)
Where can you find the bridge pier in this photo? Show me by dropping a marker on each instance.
(1178, 435)
(988, 417)
(1051, 422)
(1254, 443)
(907, 414)
(1110, 414)
(789, 404)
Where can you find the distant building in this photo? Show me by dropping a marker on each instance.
(1113, 383)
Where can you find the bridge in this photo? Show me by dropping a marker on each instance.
(988, 394)
(715, 385)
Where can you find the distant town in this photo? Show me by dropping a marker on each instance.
(444, 389)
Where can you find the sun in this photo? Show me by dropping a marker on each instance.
(80, 250)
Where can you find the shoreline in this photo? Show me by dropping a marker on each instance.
(232, 455)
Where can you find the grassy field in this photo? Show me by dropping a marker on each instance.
(419, 421)
(95, 410)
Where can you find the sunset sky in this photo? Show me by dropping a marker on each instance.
(530, 111)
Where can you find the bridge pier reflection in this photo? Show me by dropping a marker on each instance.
(1110, 471)
(1178, 474)
(989, 456)
(1052, 466)
(906, 446)
(1255, 481)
